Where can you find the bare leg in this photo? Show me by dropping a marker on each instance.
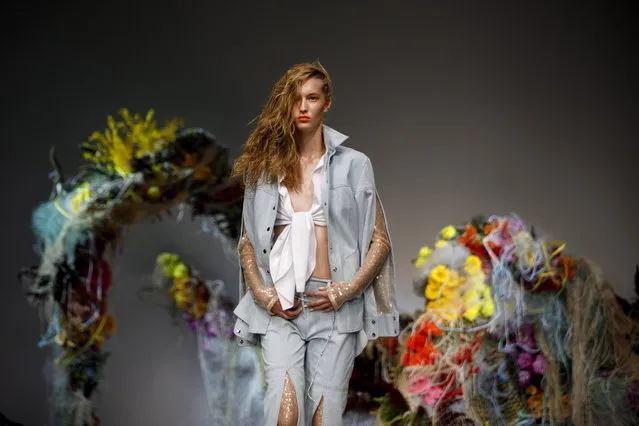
(318, 415)
(289, 411)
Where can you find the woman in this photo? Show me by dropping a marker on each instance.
(315, 254)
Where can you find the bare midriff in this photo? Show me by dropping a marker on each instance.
(322, 266)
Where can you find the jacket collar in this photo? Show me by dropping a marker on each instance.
(332, 139)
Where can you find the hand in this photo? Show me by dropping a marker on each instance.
(288, 314)
(322, 302)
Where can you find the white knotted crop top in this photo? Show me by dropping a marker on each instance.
(292, 258)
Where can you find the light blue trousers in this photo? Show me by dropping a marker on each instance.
(318, 360)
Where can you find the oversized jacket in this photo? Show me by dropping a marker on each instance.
(349, 198)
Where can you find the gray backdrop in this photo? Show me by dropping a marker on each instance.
(463, 109)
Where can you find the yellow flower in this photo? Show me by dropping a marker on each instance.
(471, 296)
(180, 283)
(448, 232)
(183, 298)
(130, 138)
(480, 288)
(472, 265)
(488, 308)
(153, 193)
(436, 305)
(441, 243)
(472, 312)
(486, 293)
(424, 252)
(439, 273)
(168, 262)
(180, 270)
(432, 291)
(449, 292)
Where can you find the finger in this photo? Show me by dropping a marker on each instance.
(292, 317)
(316, 303)
(281, 314)
(330, 308)
(294, 312)
(320, 294)
(323, 305)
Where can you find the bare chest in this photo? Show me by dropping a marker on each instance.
(302, 200)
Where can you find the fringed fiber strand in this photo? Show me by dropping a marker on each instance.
(48, 223)
(608, 401)
(67, 408)
(599, 344)
(553, 408)
(553, 334)
(229, 245)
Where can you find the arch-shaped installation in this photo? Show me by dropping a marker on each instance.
(136, 170)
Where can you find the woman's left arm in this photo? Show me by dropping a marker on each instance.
(378, 251)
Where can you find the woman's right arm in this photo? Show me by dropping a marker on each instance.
(264, 296)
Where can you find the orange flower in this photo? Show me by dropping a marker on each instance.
(469, 235)
(429, 328)
(535, 404)
(489, 227)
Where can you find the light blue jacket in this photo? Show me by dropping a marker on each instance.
(349, 198)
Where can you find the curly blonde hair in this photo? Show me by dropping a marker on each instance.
(270, 150)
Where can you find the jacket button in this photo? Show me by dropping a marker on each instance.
(373, 321)
(238, 331)
(264, 250)
(268, 271)
(273, 207)
(268, 229)
(242, 340)
(373, 334)
(335, 269)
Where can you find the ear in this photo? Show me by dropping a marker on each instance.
(328, 105)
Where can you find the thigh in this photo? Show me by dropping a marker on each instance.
(283, 348)
(283, 351)
(329, 363)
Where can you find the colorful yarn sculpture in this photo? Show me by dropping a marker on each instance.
(137, 170)
(514, 332)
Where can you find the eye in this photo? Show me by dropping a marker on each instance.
(313, 98)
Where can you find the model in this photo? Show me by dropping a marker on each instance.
(316, 280)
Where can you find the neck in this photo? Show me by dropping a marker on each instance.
(311, 144)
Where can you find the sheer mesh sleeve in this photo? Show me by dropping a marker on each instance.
(379, 249)
(264, 296)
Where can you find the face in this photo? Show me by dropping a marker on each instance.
(310, 105)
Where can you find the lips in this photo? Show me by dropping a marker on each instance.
(303, 118)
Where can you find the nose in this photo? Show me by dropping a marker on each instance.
(303, 105)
